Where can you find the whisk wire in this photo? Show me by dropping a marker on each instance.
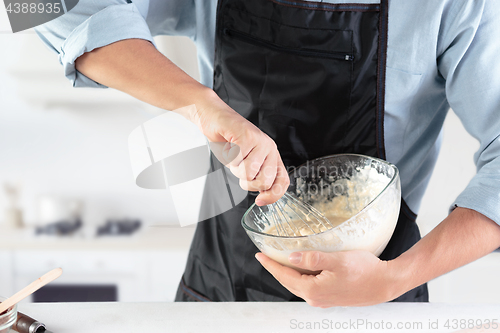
(275, 221)
(306, 209)
(291, 217)
(300, 217)
(280, 229)
(264, 215)
(287, 219)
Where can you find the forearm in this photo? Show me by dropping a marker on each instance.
(135, 67)
(461, 238)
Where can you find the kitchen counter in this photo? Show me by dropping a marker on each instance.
(148, 238)
(257, 317)
(144, 267)
(137, 265)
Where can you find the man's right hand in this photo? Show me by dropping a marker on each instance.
(251, 155)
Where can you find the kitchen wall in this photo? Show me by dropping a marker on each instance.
(72, 143)
(67, 145)
(60, 141)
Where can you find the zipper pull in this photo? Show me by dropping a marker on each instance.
(349, 57)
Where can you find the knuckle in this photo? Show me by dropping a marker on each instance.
(314, 260)
(268, 182)
(283, 187)
(286, 181)
(253, 171)
(278, 190)
(248, 132)
(313, 303)
(268, 141)
(234, 162)
(274, 193)
(249, 175)
(309, 292)
(274, 146)
(244, 185)
(269, 171)
(234, 170)
(345, 265)
(255, 166)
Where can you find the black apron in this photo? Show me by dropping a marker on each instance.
(311, 75)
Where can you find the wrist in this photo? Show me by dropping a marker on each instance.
(398, 278)
(210, 110)
(204, 99)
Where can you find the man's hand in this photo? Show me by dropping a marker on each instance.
(350, 278)
(251, 155)
(357, 278)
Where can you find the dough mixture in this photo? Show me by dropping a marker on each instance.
(353, 227)
(354, 195)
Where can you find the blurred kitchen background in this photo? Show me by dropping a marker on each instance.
(68, 198)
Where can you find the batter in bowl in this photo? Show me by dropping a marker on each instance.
(353, 227)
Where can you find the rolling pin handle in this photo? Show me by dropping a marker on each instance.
(25, 324)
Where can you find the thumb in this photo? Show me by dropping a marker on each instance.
(312, 260)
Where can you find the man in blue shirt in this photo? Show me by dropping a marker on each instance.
(374, 77)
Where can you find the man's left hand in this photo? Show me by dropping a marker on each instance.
(350, 278)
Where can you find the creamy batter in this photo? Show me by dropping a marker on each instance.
(356, 194)
(353, 227)
(298, 227)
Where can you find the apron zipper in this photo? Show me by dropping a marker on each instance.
(301, 52)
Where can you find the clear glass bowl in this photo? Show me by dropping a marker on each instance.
(363, 192)
(7, 319)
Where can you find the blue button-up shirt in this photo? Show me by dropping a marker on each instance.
(441, 53)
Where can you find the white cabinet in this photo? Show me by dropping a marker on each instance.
(6, 273)
(123, 269)
(144, 268)
(165, 272)
(140, 276)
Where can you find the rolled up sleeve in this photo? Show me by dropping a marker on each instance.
(472, 72)
(90, 25)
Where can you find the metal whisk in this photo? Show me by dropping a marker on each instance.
(289, 215)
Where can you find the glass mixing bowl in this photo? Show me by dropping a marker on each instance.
(361, 195)
(8, 318)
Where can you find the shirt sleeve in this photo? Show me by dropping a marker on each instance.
(469, 64)
(92, 24)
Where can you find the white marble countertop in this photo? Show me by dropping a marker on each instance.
(260, 317)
